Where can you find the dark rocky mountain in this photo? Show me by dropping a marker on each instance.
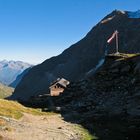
(19, 78)
(9, 70)
(79, 59)
(108, 102)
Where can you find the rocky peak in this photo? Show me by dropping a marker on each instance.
(114, 14)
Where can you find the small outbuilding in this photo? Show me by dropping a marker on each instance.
(58, 86)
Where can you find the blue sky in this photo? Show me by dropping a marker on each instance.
(34, 30)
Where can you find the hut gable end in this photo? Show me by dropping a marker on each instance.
(58, 86)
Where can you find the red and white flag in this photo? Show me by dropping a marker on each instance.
(112, 37)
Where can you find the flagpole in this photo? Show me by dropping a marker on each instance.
(117, 44)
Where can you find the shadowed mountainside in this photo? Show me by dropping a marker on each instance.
(19, 78)
(76, 61)
(107, 103)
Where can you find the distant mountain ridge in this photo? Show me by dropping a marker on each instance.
(9, 70)
(82, 57)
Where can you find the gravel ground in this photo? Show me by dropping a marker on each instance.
(31, 127)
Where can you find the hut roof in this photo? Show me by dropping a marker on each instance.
(61, 81)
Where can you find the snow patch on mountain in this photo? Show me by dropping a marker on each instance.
(92, 71)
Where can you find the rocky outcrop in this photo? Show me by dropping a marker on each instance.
(75, 62)
(107, 103)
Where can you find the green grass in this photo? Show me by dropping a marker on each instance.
(15, 110)
(124, 56)
(129, 55)
(132, 55)
(85, 135)
(5, 91)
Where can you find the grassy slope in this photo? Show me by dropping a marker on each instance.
(15, 110)
(5, 91)
(85, 135)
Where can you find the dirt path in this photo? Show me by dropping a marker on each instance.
(31, 127)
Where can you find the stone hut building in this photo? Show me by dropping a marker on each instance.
(58, 86)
